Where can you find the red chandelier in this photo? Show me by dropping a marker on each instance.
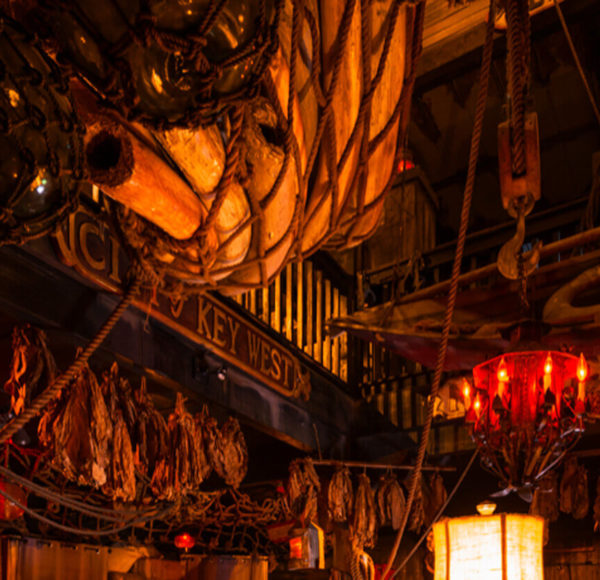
(526, 412)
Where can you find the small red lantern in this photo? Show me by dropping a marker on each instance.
(405, 165)
(526, 412)
(184, 541)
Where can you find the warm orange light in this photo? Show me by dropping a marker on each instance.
(582, 368)
(466, 388)
(489, 547)
(184, 541)
(405, 165)
(296, 548)
(477, 404)
(502, 371)
(548, 365)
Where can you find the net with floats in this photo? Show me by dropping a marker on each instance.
(238, 136)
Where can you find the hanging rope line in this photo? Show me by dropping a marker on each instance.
(437, 515)
(52, 391)
(464, 221)
(582, 74)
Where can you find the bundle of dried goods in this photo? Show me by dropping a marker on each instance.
(390, 501)
(363, 529)
(340, 495)
(303, 490)
(32, 367)
(78, 430)
(226, 448)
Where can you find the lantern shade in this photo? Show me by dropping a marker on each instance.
(498, 547)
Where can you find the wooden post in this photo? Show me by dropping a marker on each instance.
(299, 305)
(309, 308)
(318, 353)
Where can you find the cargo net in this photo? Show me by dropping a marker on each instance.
(102, 462)
(41, 154)
(257, 132)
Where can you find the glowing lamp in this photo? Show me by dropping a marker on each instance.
(489, 547)
(502, 371)
(296, 551)
(184, 541)
(548, 365)
(405, 165)
(526, 411)
(466, 389)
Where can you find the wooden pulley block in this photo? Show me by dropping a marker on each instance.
(524, 189)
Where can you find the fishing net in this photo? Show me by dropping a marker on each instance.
(238, 136)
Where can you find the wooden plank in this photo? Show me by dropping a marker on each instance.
(344, 342)
(276, 314)
(264, 315)
(309, 309)
(393, 403)
(253, 302)
(299, 305)
(327, 340)
(318, 352)
(289, 315)
(335, 343)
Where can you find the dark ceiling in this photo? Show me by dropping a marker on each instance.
(444, 103)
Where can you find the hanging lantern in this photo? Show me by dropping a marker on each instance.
(184, 541)
(40, 161)
(526, 412)
(489, 547)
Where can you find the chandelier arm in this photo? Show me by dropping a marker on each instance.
(558, 459)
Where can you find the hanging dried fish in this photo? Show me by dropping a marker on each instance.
(121, 482)
(363, 529)
(340, 495)
(32, 368)
(226, 449)
(390, 501)
(568, 484)
(127, 404)
(79, 429)
(436, 498)
(417, 513)
(151, 440)
(182, 452)
(581, 504)
(545, 498)
(303, 489)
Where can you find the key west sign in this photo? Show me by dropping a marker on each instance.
(88, 245)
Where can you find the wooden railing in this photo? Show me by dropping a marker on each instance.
(399, 387)
(296, 306)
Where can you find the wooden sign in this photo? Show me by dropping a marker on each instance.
(87, 244)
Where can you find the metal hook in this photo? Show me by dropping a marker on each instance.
(512, 264)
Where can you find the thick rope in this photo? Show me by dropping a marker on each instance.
(517, 18)
(52, 391)
(462, 234)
